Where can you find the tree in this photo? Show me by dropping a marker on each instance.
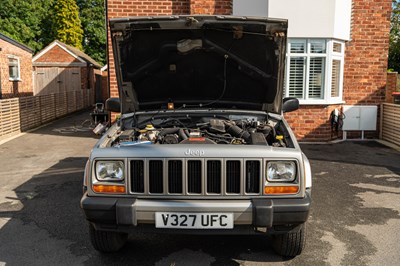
(66, 23)
(94, 30)
(23, 21)
(36, 23)
(394, 41)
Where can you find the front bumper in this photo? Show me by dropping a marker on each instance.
(124, 213)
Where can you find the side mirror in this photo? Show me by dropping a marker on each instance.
(113, 105)
(290, 104)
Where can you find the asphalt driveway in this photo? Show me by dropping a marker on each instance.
(354, 218)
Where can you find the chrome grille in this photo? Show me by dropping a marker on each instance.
(178, 177)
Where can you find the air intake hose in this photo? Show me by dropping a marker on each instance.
(238, 132)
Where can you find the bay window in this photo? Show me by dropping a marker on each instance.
(314, 72)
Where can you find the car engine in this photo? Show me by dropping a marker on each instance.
(203, 131)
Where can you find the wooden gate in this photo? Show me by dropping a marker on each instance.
(50, 80)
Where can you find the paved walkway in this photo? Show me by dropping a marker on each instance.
(33, 167)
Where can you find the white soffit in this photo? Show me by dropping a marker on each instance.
(307, 18)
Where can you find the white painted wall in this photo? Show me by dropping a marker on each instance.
(250, 8)
(342, 24)
(307, 18)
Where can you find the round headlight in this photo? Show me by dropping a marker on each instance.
(281, 171)
(110, 170)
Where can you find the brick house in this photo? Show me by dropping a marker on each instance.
(61, 68)
(15, 68)
(336, 55)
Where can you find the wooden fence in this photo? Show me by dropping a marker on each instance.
(21, 114)
(9, 117)
(390, 123)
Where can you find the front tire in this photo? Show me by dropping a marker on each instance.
(105, 241)
(290, 244)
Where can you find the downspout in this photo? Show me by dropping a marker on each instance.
(107, 57)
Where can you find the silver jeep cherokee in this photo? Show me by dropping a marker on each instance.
(201, 146)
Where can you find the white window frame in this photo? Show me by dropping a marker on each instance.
(18, 78)
(329, 56)
(336, 56)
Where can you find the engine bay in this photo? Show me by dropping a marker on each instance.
(199, 129)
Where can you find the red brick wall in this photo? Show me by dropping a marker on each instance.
(119, 8)
(57, 54)
(391, 86)
(211, 7)
(312, 122)
(23, 87)
(367, 52)
(365, 71)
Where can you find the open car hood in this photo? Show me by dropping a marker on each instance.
(199, 62)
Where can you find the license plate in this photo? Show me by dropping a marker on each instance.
(194, 220)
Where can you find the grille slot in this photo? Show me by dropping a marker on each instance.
(214, 177)
(233, 177)
(252, 176)
(194, 174)
(156, 176)
(195, 177)
(137, 173)
(175, 176)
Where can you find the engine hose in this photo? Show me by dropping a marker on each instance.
(236, 131)
(182, 134)
(167, 131)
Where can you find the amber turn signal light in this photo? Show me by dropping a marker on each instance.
(108, 189)
(281, 190)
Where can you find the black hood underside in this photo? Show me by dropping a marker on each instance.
(199, 62)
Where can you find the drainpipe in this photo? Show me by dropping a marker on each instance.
(107, 57)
